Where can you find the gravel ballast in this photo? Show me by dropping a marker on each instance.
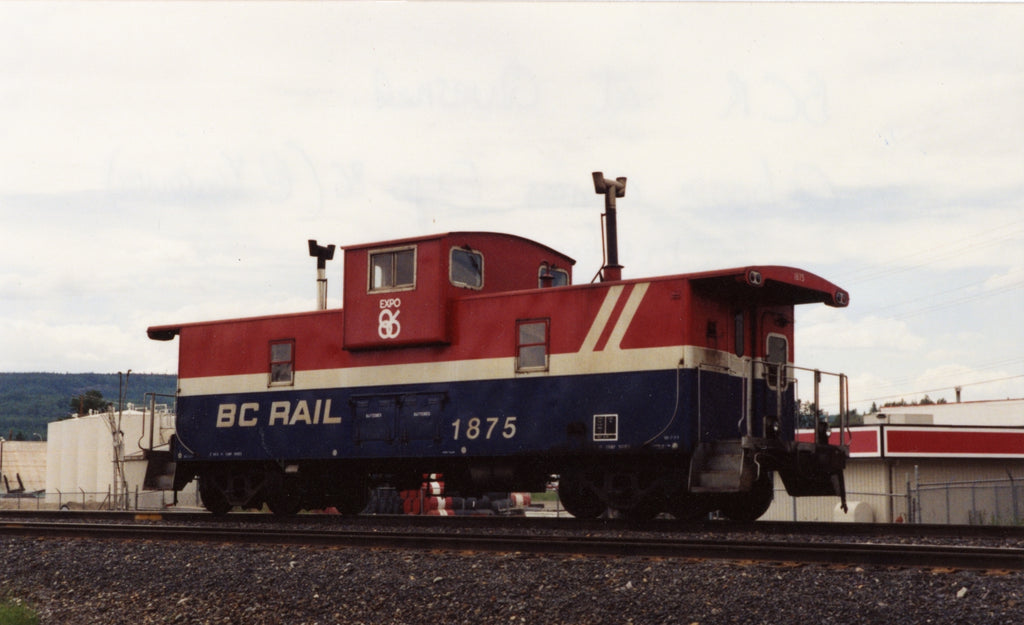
(78, 581)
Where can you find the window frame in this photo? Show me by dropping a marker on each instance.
(551, 270)
(769, 374)
(545, 343)
(277, 362)
(393, 251)
(451, 267)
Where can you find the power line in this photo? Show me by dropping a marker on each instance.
(937, 252)
(936, 390)
(958, 301)
(938, 294)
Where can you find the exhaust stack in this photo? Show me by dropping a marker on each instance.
(611, 189)
(322, 255)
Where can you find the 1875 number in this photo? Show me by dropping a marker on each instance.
(483, 428)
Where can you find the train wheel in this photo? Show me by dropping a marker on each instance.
(213, 497)
(578, 497)
(751, 505)
(284, 495)
(687, 507)
(353, 499)
(644, 510)
(284, 503)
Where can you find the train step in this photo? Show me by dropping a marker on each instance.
(159, 470)
(717, 467)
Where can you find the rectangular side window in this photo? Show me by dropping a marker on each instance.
(466, 268)
(778, 354)
(282, 362)
(393, 269)
(532, 345)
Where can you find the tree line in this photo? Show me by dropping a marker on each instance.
(28, 401)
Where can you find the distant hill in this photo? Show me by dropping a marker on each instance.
(28, 401)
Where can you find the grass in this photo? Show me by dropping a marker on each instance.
(14, 612)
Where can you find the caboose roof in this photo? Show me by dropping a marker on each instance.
(776, 284)
(169, 331)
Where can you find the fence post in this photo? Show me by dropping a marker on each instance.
(949, 520)
(973, 517)
(1013, 497)
(910, 501)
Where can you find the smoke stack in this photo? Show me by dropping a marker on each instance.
(611, 189)
(322, 255)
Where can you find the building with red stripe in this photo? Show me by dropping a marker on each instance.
(965, 446)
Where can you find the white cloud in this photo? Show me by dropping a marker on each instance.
(827, 328)
(1013, 278)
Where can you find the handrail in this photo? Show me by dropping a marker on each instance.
(844, 392)
(151, 399)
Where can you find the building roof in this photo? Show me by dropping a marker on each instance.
(1003, 412)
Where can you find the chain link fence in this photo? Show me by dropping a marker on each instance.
(979, 502)
(143, 500)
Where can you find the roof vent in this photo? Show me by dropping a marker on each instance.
(322, 255)
(611, 189)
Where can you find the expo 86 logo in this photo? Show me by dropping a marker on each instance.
(388, 326)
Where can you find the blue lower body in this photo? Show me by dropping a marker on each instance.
(612, 413)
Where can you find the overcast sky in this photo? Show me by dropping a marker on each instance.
(164, 163)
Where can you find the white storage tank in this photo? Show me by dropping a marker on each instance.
(857, 512)
(94, 466)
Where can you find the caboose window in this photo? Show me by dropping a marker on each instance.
(532, 345)
(558, 277)
(778, 354)
(393, 269)
(282, 362)
(466, 268)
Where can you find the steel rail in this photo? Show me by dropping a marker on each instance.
(865, 554)
(665, 526)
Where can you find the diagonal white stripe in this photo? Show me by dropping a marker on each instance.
(601, 320)
(626, 318)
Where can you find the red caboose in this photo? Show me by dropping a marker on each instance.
(472, 354)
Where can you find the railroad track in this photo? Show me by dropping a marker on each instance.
(1008, 533)
(794, 550)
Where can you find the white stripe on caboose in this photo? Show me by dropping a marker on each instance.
(601, 320)
(626, 318)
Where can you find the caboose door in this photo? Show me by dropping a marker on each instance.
(720, 403)
(723, 384)
(774, 393)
